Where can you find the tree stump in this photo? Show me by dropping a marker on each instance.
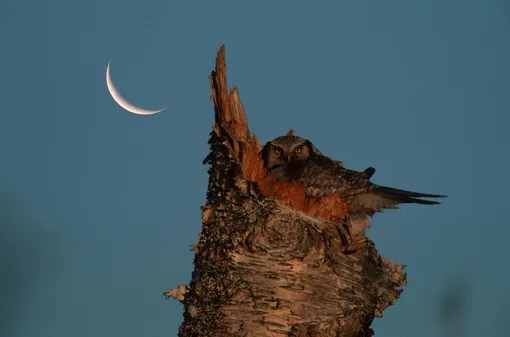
(270, 262)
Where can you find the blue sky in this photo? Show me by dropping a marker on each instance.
(98, 206)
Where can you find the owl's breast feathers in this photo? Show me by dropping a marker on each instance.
(275, 183)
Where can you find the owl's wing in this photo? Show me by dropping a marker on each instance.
(377, 198)
(353, 187)
(324, 177)
(361, 195)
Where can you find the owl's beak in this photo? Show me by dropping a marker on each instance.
(289, 158)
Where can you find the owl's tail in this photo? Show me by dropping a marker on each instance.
(405, 197)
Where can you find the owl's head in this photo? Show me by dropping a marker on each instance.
(281, 151)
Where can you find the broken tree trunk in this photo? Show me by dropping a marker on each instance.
(270, 262)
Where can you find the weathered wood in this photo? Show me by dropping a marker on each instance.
(270, 262)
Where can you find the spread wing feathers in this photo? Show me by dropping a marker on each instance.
(403, 195)
(378, 198)
(360, 194)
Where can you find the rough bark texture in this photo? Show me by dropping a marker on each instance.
(270, 262)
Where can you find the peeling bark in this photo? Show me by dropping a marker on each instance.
(269, 261)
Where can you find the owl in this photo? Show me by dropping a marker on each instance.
(295, 159)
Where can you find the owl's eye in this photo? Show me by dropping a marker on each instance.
(298, 149)
(278, 151)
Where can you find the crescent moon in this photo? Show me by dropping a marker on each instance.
(122, 101)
